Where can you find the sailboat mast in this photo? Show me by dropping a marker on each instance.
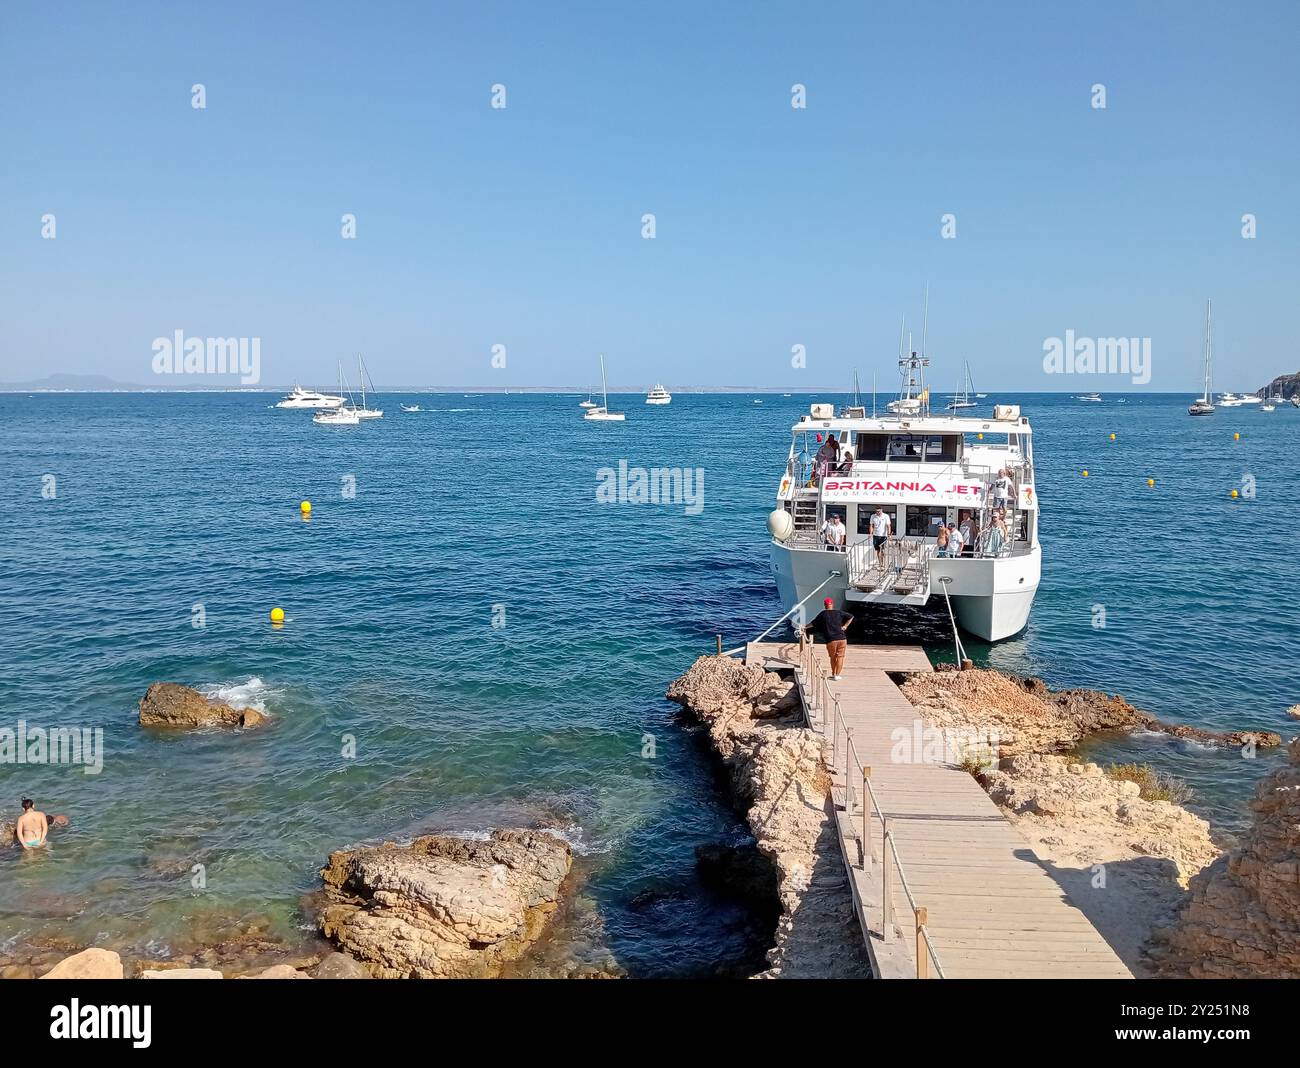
(604, 389)
(361, 374)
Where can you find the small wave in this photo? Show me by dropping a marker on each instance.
(573, 835)
(252, 693)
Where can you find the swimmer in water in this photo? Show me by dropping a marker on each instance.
(32, 827)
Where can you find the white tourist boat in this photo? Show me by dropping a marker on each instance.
(921, 470)
(309, 398)
(1204, 405)
(410, 407)
(1090, 398)
(601, 413)
(659, 395)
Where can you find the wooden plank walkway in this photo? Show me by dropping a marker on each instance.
(992, 908)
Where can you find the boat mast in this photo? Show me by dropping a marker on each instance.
(1209, 351)
(361, 374)
(604, 389)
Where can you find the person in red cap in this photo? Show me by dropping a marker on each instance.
(833, 624)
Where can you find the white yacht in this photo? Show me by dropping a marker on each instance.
(345, 415)
(1091, 398)
(963, 399)
(601, 413)
(365, 411)
(410, 407)
(588, 403)
(659, 395)
(920, 470)
(336, 417)
(309, 398)
(1204, 405)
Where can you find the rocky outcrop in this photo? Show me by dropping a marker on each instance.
(168, 704)
(1031, 718)
(777, 777)
(444, 907)
(88, 964)
(1243, 918)
(1097, 819)
(1286, 386)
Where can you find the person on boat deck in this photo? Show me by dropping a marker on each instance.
(996, 537)
(941, 541)
(1004, 488)
(826, 455)
(846, 462)
(879, 525)
(955, 540)
(970, 529)
(835, 533)
(832, 624)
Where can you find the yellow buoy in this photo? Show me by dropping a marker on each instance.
(981, 437)
(1112, 437)
(277, 615)
(1236, 437)
(1085, 474)
(1234, 495)
(1151, 481)
(305, 507)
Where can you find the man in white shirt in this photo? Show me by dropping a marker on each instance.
(955, 540)
(1004, 487)
(879, 525)
(835, 533)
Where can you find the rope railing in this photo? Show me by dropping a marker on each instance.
(817, 691)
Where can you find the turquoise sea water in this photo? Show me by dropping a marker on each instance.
(482, 510)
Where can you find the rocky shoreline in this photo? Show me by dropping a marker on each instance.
(775, 774)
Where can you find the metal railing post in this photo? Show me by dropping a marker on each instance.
(886, 900)
(835, 739)
(848, 776)
(922, 952)
(866, 819)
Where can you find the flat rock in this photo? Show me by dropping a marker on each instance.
(444, 907)
(278, 971)
(88, 964)
(183, 973)
(168, 704)
(340, 966)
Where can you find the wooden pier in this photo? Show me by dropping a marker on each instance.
(943, 885)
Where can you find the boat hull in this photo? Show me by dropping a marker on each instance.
(991, 597)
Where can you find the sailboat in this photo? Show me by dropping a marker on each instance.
(854, 410)
(588, 403)
(365, 411)
(344, 416)
(963, 401)
(1205, 405)
(601, 413)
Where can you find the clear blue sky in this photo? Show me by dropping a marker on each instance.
(775, 226)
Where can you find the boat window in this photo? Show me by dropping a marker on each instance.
(865, 512)
(923, 520)
(907, 447)
(870, 446)
(841, 510)
(942, 448)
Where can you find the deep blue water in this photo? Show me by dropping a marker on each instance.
(483, 509)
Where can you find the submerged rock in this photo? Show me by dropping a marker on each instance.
(444, 907)
(168, 704)
(1243, 918)
(88, 964)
